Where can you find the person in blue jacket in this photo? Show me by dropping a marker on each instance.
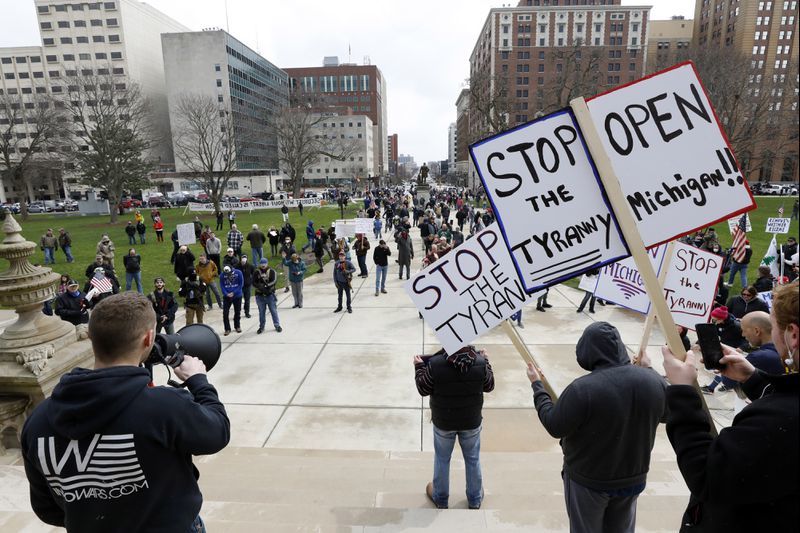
(231, 281)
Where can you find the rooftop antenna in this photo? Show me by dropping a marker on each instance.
(227, 25)
(349, 52)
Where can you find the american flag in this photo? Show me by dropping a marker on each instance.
(101, 282)
(739, 239)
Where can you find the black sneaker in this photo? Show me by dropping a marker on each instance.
(705, 389)
(547, 306)
(259, 331)
(349, 309)
(278, 329)
(338, 309)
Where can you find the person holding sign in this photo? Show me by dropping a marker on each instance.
(745, 479)
(456, 384)
(606, 449)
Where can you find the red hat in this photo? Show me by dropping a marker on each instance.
(720, 313)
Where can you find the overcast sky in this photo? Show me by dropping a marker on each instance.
(421, 46)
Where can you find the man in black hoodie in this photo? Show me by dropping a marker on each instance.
(106, 452)
(607, 422)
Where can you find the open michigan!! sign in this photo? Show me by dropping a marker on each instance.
(549, 203)
(670, 155)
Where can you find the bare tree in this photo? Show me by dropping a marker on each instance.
(203, 140)
(577, 74)
(757, 111)
(490, 104)
(32, 130)
(114, 133)
(302, 142)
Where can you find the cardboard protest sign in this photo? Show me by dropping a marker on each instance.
(622, 283)
(691, 284)
(778, 225)
(670, 155)
(186, 234)
(733, 222)
(548, 201)
(469, 290)
(345, 228)
(588, 283)
(364, 225)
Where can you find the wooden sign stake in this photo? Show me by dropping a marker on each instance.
(651, 316)
(526, 354)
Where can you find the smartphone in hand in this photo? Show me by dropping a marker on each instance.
(708, 339)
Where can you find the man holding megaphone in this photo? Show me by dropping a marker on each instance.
(108, 452)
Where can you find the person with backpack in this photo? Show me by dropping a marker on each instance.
(192, 290)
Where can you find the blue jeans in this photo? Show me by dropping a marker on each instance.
(130, 277)
(212, 287)
(141, 238)
(741, 269)
(68, 253)
(49, 256)
(132, 239)
(380, 277)
(267, 301)
(257, 255)
(443, 443)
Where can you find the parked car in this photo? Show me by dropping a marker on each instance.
(790, 190)
(36, 208)
(772, 189)
(130, 203)
(158, 201)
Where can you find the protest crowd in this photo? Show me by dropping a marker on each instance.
(735, 481)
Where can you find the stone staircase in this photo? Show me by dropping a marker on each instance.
(283, 490)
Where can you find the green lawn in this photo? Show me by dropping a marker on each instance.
(86, 232)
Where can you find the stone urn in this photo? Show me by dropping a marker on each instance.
(26, 287)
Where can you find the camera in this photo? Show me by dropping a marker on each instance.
(197, 340)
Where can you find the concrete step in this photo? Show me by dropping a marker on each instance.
(267, 489)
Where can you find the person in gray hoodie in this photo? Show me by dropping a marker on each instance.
(607, 422)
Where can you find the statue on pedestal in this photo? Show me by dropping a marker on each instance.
(422, 177)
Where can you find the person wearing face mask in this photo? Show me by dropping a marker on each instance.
(747, 302)
(264, 281)
(744, 479)
(297, 270)
(192, 290)
(231, 281)
(287, 250)
(164, 305)
(70, 305)
(247, 274)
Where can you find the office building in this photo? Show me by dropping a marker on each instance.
(452, 141)
(668, 42)
(119, 38)
(525, 56)
(361, 88)
(391, 148)
(247, 87)
(766, 33)
(355, 132)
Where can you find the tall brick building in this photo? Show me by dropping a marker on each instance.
(766, 32)
(361, 88)
(526, 56)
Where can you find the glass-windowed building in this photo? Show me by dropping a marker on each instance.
(246, 85)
